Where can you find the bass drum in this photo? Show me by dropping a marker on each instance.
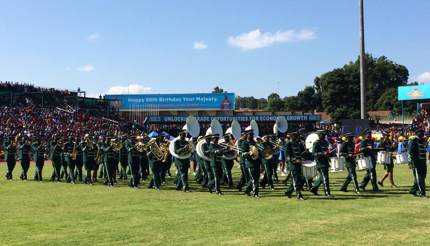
(199, 150)
(174, 154)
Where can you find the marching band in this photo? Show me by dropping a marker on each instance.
(306, 159)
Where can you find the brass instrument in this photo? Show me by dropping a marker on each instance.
(116, 146)
(160, 151)
(74, 152)
(253, 152)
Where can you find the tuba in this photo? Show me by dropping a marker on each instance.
(139, 145)
(192, 127)
(116, 146)
(158, 150)
(281, 125)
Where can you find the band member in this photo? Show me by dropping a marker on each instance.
(100, 158)
(181, 146)
(321, 154)
(366, 149)
(123, 159)
(388, 146)
(201, 175)
(293, 158)
(89, 152)
(109, 161)
(155, 166)
(227, 164)
(347, 151)
(243, 172)
(133, 163)
(268, 163)
(9, 148)
(207, 164)
(55, 156)
(215, 153)
(166, 163)
(418, 165)
(69, 148)
(25, 157)
(39, 151)
(79, 160)
(252, 164)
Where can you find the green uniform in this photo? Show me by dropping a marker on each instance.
(67, 153)
(55, 156)
(371, 171)
(144, 165)
(123, 160)
(133, 165)
(155, 166)
(269, 166)
(243, 180)
(207, 165)
(100, 160)
(89, 153)
(182, 166)
(24, 156)
(347, 151)
(293, 158)
(319, 150)
(79, 162)
(216, 168)
(227, 167)
(252, 168)
(418, 165)
(10, 156)
(39, 151)
(110, 157)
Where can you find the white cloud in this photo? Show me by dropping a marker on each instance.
(200, 45)
(86, 68)
(130, 89)
(424, 77)
(93, 37)
(257, 39)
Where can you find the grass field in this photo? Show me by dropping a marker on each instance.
(63, 214)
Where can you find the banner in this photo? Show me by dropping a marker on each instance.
(413, 92)
(172, 102)
(258, 118)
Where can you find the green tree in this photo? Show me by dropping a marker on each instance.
(339, 89)
(275, 103)
(218, 90)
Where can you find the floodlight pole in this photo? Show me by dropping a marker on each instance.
(363, 109)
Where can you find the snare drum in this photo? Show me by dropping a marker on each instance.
(402, 158)
(364, 163)
(383, 157)
(309, 169)
(337, 164)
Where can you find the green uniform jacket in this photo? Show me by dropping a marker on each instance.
(417, 152)
(249, 162)
(319, 149)
(347, 151)
(25, 152)
(293, 154)
(88, 153)
(215, 155)
(180, 144)
(9, 151)
(38, 152)
(55, 154)
(364, 150)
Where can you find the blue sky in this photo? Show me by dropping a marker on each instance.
(249, 47)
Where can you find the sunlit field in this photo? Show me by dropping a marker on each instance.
(63, 214)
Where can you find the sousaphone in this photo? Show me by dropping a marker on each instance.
(192, 127)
